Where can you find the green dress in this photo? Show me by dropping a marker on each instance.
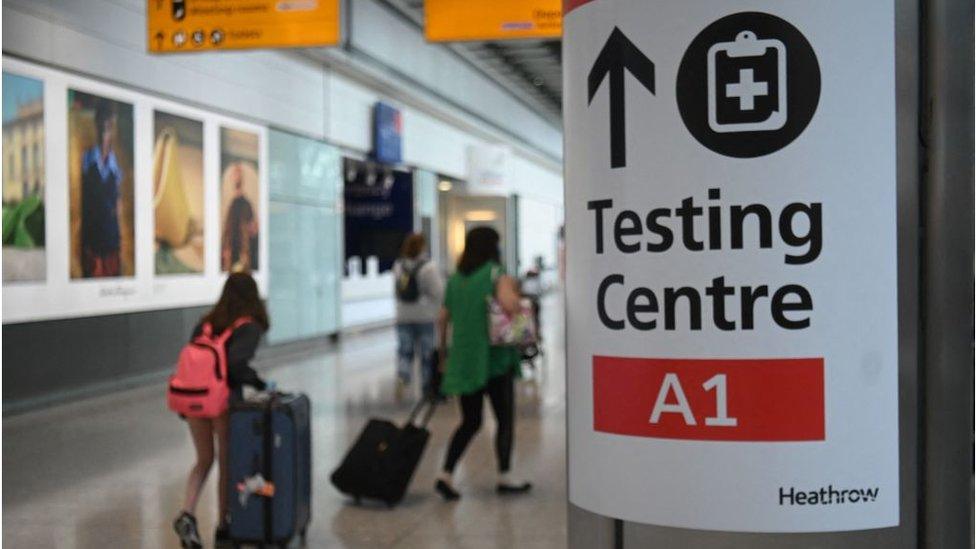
(471, 360)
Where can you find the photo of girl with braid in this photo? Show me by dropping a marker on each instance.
(240, 203)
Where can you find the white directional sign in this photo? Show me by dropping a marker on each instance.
(731, 247)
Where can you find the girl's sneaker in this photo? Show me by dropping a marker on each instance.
(186, 528)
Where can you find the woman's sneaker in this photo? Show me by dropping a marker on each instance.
(509, 485)
(446, 491)
(508, 488)
(186, 528)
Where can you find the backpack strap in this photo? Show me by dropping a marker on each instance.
(416, 268)
(240, 322)
(233, 327)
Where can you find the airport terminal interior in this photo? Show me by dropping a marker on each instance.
(112, 468)
(422, 274)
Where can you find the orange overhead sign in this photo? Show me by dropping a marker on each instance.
(450, 20)
(201, 25)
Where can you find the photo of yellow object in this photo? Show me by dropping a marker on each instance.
(178, 202)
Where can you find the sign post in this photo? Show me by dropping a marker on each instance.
(732, 248)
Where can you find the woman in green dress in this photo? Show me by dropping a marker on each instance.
(475, 369)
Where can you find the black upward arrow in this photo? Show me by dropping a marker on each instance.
(618, 54)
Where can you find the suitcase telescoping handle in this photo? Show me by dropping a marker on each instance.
(430, 403)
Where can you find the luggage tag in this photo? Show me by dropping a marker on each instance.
(254, 485)
(261, 397)
(747, 85)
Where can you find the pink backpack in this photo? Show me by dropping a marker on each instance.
(198, 387)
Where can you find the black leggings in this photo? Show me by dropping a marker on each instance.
(501, 393)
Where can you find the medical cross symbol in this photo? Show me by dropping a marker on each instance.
(746, 90)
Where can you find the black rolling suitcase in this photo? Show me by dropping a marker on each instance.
(270, 470)
(382, 461)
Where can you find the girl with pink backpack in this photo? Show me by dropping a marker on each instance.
(212, 369)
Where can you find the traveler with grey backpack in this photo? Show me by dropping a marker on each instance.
(419, 291)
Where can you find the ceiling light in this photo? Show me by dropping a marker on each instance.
(480, 215)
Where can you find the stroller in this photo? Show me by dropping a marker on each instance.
(532, 289)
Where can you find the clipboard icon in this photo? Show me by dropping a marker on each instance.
(747, 84)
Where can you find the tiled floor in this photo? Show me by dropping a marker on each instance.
(109, 472)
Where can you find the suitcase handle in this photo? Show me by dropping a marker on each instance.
(431, 405)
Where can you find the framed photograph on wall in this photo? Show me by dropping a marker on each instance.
(178, 197)
(240, 201)
(145, 198)
(100, 180)
(24, 227)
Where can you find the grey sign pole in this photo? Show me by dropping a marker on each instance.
(947, 275)
(934, 41)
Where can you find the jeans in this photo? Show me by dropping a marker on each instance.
(415, 339)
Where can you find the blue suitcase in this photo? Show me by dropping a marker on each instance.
(270, 446)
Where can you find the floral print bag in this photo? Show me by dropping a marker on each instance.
(517, 330)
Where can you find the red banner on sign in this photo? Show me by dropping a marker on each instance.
(770, 400)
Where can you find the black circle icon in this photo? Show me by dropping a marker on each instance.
(748, 85)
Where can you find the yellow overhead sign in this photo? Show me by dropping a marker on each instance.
(450, 20)
(200, 25)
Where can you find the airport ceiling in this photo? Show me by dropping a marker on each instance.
(531, 69)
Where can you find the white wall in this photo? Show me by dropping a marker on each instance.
(535, 181)
(539, 223)
(105, 39)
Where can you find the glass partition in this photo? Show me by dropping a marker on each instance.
(305, 177)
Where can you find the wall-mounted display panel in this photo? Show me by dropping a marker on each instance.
(131, 189)
(24, 256)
